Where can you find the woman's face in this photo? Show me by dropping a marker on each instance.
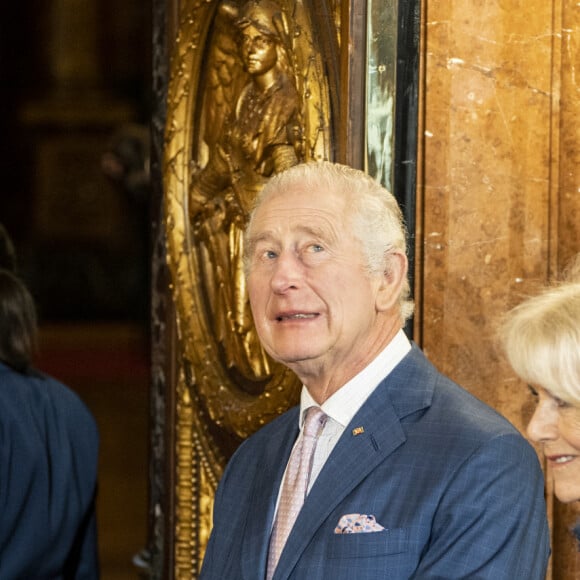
(555, 425)
(258, 51)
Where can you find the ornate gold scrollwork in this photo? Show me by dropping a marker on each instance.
(248, 97)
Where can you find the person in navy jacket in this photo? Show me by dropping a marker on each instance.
(49, 446)
(412, 476)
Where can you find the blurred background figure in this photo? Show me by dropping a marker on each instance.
(48, 457)
(541, 338)
(126, 161)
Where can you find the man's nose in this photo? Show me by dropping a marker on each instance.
(543, 425)
(288, 272)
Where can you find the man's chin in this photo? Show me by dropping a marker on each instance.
(301, 364)
(296, 353)
(288, 356)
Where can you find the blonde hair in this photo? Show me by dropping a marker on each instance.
(376, 217)
(541, 338)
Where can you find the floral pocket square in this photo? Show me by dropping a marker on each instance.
(356, 524)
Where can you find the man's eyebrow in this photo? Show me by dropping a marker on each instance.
(269, 236)
(317, 232)
(253, 240)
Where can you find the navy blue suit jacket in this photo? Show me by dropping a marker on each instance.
(48, 474)
(458, 490)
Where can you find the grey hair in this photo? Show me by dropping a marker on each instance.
(375, 216)
(541, 338)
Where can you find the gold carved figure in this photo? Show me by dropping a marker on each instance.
(248, 97)
(253, 134)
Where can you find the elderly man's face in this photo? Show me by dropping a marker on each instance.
(314, 305)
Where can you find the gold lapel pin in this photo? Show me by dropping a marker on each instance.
(358, 430)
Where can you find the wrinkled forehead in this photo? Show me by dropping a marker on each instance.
(300, 204)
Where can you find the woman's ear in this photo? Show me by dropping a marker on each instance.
(392, 281)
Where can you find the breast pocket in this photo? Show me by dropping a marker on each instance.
(369, 545)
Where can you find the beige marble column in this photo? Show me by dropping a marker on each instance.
(567, 186)
(500, 193)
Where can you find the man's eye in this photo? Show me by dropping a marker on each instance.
(316, 248)
(270, 254)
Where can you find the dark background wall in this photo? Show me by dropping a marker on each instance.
(74, 102)
(74, 152)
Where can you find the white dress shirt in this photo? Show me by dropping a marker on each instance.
(343, 405)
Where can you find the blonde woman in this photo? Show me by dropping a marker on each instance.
(541, 338)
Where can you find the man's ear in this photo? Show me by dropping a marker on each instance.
(392, 281)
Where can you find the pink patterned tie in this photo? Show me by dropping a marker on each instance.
(295, 485)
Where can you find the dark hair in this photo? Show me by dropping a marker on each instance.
(18, 327)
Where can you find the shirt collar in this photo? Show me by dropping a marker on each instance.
(343, 405)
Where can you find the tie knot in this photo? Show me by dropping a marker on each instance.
(314, 421)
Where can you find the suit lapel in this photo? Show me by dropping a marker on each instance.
(408, 389)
